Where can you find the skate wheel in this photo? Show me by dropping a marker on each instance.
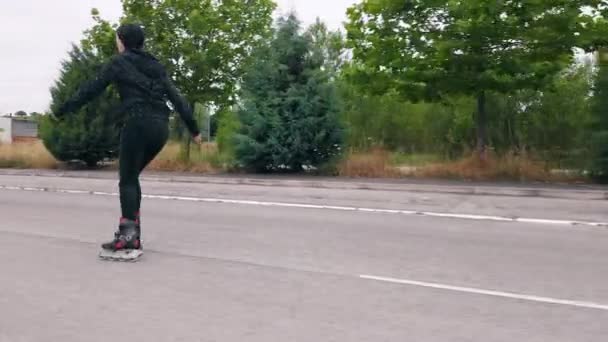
(128, 255)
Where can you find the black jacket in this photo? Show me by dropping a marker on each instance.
(141, 80)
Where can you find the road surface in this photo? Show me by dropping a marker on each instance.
(228, 262)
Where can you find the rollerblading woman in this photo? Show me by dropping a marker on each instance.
(144, 88)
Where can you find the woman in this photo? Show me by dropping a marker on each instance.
(144, 88)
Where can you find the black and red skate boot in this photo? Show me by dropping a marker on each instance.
(126, 245)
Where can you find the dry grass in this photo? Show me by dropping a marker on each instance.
(203, 159)
(26, 155)
(375, 163)
(510, 167)
(379, 163)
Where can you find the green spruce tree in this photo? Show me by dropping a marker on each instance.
(289, 111)
(89, 135)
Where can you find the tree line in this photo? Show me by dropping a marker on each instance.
(445, 77)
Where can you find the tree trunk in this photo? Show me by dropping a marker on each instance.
(481, 124)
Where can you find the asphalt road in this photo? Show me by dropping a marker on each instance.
(277, 264)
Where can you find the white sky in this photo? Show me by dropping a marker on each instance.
(37, 35)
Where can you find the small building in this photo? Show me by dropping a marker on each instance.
(15, 130)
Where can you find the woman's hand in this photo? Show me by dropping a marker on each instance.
(198, 139)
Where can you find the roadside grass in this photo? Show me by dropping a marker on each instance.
(26, 155)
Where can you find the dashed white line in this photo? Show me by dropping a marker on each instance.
(326, 207)
(509, 295)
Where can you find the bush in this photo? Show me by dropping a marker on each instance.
(229, 127)
(551, 122)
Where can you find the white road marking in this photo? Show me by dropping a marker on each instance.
(510, 295)
(325, 207)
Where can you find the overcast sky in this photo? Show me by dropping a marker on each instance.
(36, 35)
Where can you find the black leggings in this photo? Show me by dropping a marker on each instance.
(141, 140)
